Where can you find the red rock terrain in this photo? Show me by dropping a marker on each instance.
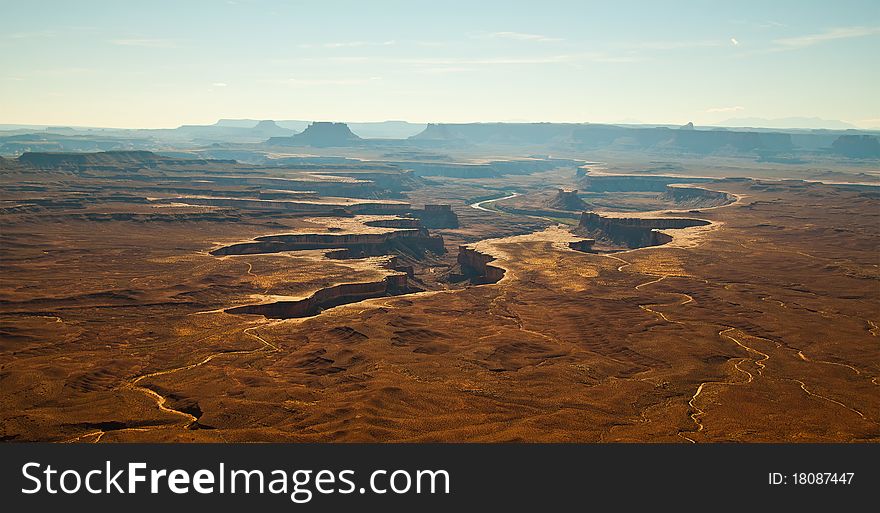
(120, 320)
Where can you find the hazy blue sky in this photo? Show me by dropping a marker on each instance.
(162, 64)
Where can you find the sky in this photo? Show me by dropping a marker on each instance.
(158, 63)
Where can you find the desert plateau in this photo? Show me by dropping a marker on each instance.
(470, 283)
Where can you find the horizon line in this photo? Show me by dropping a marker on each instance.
(510, 122)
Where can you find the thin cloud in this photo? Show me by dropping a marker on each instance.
(219, 84)
(760, 24)
(736, 108)
(348, 44)
(146, 43)
(770, 24)
(31, 35)
(54, 72)
(432, 44)
(795, 43)
(673, 45)
(521, 36)
(489, 61)
(308, 82)
(514, 60)
(454, 64)
(440, 70)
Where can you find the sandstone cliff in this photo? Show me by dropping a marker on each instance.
(632, 232)
(476, 265)
(327, 298)
(567, 200)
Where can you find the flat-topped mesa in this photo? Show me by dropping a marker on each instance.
(395, 263)
(567, 200)
(387, 181)
(437, 216)
(293, 206)
(632, 232)
(475, 265)
(414, 242)
(630, 183)
(857, 146)
(491, 169)
(399, 222)
(281, 194)
(584, 136)
(107, 160)
(320, 134)
(329, 297)
(696, 197)
(514, 134)
(437, 131)
(584, 245)
(268, 127)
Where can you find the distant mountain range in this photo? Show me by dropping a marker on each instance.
(242, 138)
(244, 129)
(806, 123)
(405, 129)
(597, 136)
(368, 130)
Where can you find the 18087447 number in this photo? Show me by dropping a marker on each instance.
(819, 478)
(811, 478)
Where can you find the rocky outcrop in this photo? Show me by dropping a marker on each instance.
(413, 242)
(710, 141)
(567, 200)
(596, 136)
(632, 232)
(214, 217)
(318, 186)
(438, 132)
(304, 207)
(437, 216)
(539, 212)
(494, 133)
(329, 297)
(681, 194)
(675, 140)
(397, 264)
(857, 146)
(283, 195)
(107, 160)
(223, 132)
(696, 197)
(389, 177)
(452, 169)
(584, 245)
(494, 168)
(475, 265)
(43, 142)
(399, 222)
(320, 134)
(269, 128)
(629, 183)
